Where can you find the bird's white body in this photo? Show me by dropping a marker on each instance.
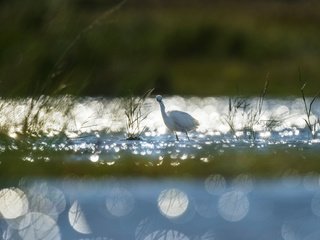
(177, 121)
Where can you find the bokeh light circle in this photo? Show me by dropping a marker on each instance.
(77, 219)
(13, 203)
(166, 235)
(120, 202)
(243, 183)
(173, 202)
(215, 184)
(233, 206)
(38, 226)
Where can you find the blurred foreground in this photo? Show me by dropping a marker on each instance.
(211, 208)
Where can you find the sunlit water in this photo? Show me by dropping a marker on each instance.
(212, 206)
(95, 129)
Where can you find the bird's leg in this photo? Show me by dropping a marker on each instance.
(187, 136)
(176, 136)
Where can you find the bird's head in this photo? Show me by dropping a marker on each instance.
(159, 98)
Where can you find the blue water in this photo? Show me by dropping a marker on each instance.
(212, 208)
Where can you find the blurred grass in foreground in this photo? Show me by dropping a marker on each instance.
(263, 164)
(179, 47)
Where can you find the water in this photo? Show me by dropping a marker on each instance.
(95, 129)
(68, 171)
(139, 208)
(73, 117)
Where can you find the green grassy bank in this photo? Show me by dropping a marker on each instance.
(268, 164)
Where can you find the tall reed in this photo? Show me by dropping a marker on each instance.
(312, 121)
(251, 114)
(135, 116)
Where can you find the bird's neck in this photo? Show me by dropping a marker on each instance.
(163, 109)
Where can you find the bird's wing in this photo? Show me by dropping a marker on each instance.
(183, 121)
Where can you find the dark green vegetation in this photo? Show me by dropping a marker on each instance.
(179, 47)
(268, 163)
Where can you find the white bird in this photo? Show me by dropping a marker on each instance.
(177, 121)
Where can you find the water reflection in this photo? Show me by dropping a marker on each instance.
(291, 178)
(215, 184)
(152, 209)
(119, 201)
(206, 206)
(77, 219)
(173, 202)
(311, 181)
(243, 183)
(288, 232)
(38, 226)
(45, 198)
(13, 203)
(315, 204)
(165, 235)
(233, 206)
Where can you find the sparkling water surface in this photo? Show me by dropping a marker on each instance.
(210, 206)
(95, 129)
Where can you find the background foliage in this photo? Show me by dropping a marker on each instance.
(179, 47)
